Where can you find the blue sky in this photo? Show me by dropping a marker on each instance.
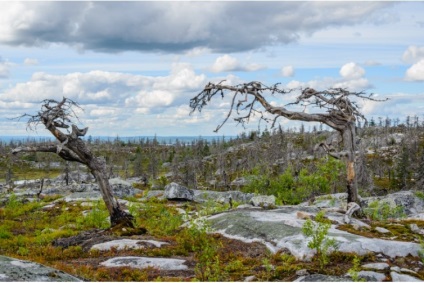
(133, 66)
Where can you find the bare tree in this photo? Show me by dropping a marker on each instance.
(57, 115)
(340, 113)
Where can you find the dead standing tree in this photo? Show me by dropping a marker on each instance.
(56, 115)
(340, 113)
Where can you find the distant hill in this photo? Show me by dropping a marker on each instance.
(160, 139)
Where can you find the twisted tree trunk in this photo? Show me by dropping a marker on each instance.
(71, 147)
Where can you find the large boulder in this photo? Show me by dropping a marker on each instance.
(263, 201)
(408, 201)
(15, 270)
(174, 191)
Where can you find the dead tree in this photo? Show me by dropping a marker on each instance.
(57, 115)
(338, 111)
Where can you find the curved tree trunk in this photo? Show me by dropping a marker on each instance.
(117, 215)
(348, 135)
(71, 147)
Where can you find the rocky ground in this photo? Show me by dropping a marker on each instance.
(388, 236)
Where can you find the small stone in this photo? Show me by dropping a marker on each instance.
(382, 230)
(302, 272)
(376, 266)
(395, 268)
(303, 215)
(250, 278)
(372, 276)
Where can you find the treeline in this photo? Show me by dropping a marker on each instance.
(277, 161)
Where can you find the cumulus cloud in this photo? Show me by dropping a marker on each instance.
(109, 89)
(174, 26)
(352, 71)
(413, 54)
(287, 71)
(352, 78)
(227, 63)
(415, 72)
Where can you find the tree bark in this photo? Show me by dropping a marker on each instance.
(73, 148)
(348, 135)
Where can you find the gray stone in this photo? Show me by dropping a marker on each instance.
(322, 278)
(144, 262)
(411, 204)
(263, 201)
(396, 277)
(302, 272)
(250, 278)
(382, 230)
(201, 196)
(174, 191)
(372, 276)
(395, 269)
(21, 270)
(376, 266)
(123, 244)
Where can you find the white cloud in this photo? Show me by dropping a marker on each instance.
(415, 72)
(102, 111)
(354, 85)
(198, 51)
(30, 62)
(176, 26)
(413, 54)
(287, 71)
(352, 71)
(227, 63)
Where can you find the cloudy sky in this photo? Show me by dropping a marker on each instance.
(133, 66)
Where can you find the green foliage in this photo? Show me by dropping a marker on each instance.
(5, 233)
(97, 217)
(269, 269)
(354, 271)
(318, 231)
(156, 217)
(14, 207)
(289, 189)
(382, 211)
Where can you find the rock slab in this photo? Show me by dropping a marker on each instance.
(145, 262)
(25, 271)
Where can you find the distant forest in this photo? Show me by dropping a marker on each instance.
(283, 162)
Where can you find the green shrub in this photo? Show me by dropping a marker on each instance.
(98, 217)
(318, 231)
(381, 211)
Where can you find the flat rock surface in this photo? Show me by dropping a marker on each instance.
(397, 277)
(21, 270)
(144, 262)
(127, 244)
(281, 229)
(322, 278)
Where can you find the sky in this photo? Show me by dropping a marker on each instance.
(133, 66)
